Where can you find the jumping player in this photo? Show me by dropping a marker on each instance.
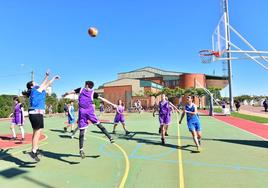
(17, 119)
(193, 121)
(37, 100)
(119, 116)
(86, 111)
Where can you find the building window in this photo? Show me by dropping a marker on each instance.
(171, 83)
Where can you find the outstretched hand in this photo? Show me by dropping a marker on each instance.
(57, 77)
(48, 72)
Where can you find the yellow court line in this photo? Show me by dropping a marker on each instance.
(181, 175)
(127, 165)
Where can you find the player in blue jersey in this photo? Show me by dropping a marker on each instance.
(37, 101)
(193, 121)
(71, 117)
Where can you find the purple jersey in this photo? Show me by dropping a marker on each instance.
(164, 108)
(86, 111)
(164, 113)
(17, 115)
(119, 116)
(85, 99)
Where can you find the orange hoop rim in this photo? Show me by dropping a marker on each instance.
(209, 53)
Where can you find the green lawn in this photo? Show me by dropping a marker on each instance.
(250, 117)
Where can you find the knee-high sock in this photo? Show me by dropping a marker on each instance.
(81, 138)
(13, 132)
(103, 130)
(22, 131)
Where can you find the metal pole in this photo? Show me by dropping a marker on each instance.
(32, 75)
(229, 62)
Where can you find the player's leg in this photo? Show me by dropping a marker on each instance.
(115, 125)
(81, 143)
(12, 128)
(124, 127)
(22, 132)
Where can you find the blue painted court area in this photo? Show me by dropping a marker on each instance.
(230, 157)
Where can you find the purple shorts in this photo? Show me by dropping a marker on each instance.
(86, 115)
(17, 120)
(164, 119)
(119, 118)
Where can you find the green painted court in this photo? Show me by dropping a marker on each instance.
(230, 157)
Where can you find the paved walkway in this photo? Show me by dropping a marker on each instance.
(253, 110)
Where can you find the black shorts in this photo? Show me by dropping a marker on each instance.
(37, 121)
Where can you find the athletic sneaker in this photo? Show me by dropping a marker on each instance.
(166, 134)
(199, 149)
(82, 154)
(127, 132)
(65, 129)
(112, 140)
(163, 141)
(39, 153)
(34, 156)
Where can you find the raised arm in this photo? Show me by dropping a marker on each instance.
(105, 100)
(45, 79)
(69, 93)
(49, 83)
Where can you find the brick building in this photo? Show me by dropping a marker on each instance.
(131, 86)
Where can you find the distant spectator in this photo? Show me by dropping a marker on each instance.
(50, 109)
(237, 105)
(223, 104)
(265, 105)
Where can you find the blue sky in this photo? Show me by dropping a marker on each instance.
(37, 35)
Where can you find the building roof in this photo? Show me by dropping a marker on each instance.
(152, 70)
(156, 72)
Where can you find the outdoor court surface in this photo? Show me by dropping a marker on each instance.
(230, 158)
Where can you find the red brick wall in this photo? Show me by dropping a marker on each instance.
(188, 81)
(114, 93)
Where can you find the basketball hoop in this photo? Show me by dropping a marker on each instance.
(207, 55)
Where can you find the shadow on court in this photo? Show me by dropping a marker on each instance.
(61, 156)
(255, 143)
(4, 155)
(57, 130)
(5, 138)
(132, 135)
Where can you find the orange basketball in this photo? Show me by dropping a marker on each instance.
(92, 31)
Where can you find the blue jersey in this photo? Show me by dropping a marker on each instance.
(37, 99)
(71, 112)
(191, 117)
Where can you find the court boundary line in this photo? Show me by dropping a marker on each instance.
(127, 165)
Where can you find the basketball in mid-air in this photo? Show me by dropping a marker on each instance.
(92, 31)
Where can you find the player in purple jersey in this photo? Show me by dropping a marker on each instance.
(17, 118)
(119, 116)
(86, 112)
(165, 110)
